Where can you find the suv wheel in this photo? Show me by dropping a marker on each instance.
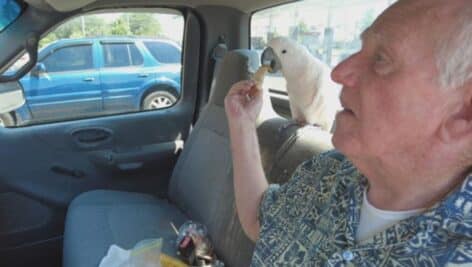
(158, 100)
(7, 120)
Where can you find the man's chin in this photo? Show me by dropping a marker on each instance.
(343, 142)
(336, 140)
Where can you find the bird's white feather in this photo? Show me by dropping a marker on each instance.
(313, 95)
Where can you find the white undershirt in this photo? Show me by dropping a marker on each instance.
(374, 220)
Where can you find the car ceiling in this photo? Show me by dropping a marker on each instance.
(243, 5)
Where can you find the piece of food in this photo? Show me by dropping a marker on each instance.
(259, 79)
(260, 75)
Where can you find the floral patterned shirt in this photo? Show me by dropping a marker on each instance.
(312, 221)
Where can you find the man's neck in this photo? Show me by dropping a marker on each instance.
(408, 186)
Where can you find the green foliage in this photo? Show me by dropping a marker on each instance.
(127, 24)
(48, 39)
(95, 25)
(143, 25)
(119, 27)
(303, 27)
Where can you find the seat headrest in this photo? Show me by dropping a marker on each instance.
(237, 65)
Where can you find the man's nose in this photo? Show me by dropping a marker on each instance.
(347, 72)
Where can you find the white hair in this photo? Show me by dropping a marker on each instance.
(454, 58)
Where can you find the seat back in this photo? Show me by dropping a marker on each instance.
(286, 147)
(202, 182)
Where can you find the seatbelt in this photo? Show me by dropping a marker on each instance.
(217, 55)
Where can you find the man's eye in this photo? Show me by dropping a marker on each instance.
(380, 58)
(382, 64)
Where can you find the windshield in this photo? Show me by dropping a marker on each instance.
(9, 11)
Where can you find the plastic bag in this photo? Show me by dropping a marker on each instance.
(146, 253)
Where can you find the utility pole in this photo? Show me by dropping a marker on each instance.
(328, 37)
(127, 22)
(82, 19)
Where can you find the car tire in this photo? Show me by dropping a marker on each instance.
(158, 100)
(7, 120)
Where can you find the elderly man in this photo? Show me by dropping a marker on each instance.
(400, 193)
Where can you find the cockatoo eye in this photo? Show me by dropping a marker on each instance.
(284, 51)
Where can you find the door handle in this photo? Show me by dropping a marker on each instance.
(91, 136)
(143, 75)
(89, 79)
(67, 171)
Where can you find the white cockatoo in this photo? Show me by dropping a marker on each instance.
(313, 96)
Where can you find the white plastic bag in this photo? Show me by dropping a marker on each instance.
(146, 253)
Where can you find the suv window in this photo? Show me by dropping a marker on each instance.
(121, 55)
(72, 58)
(97, 65)
(164, 52)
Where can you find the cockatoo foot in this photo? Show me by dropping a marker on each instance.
(298, 124)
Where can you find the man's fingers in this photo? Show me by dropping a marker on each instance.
(255, 97)
(241, 88)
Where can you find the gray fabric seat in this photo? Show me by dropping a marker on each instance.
(201, 187)
(97, 219)
(284, 145)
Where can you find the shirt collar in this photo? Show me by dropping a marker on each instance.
(454, 213)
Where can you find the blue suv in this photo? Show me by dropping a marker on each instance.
(77, 78)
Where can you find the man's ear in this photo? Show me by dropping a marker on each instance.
(458, 126)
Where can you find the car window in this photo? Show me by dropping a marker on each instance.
(98, 65)
(330, 30)
(121, 55)
(72, 58)
(164, 52)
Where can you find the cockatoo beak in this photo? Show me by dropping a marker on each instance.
(269, 58)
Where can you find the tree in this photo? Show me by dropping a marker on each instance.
(67, 29)
(144, 24)
(138, 24)
(96, 26)
(51, 37)
(119, 27)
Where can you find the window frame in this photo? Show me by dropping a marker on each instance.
(189, 21)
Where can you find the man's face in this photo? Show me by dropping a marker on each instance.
(391, 97)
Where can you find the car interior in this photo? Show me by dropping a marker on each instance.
(71, 188)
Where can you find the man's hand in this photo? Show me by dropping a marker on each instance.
(243, 103)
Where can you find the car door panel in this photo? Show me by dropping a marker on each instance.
(157, 147)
